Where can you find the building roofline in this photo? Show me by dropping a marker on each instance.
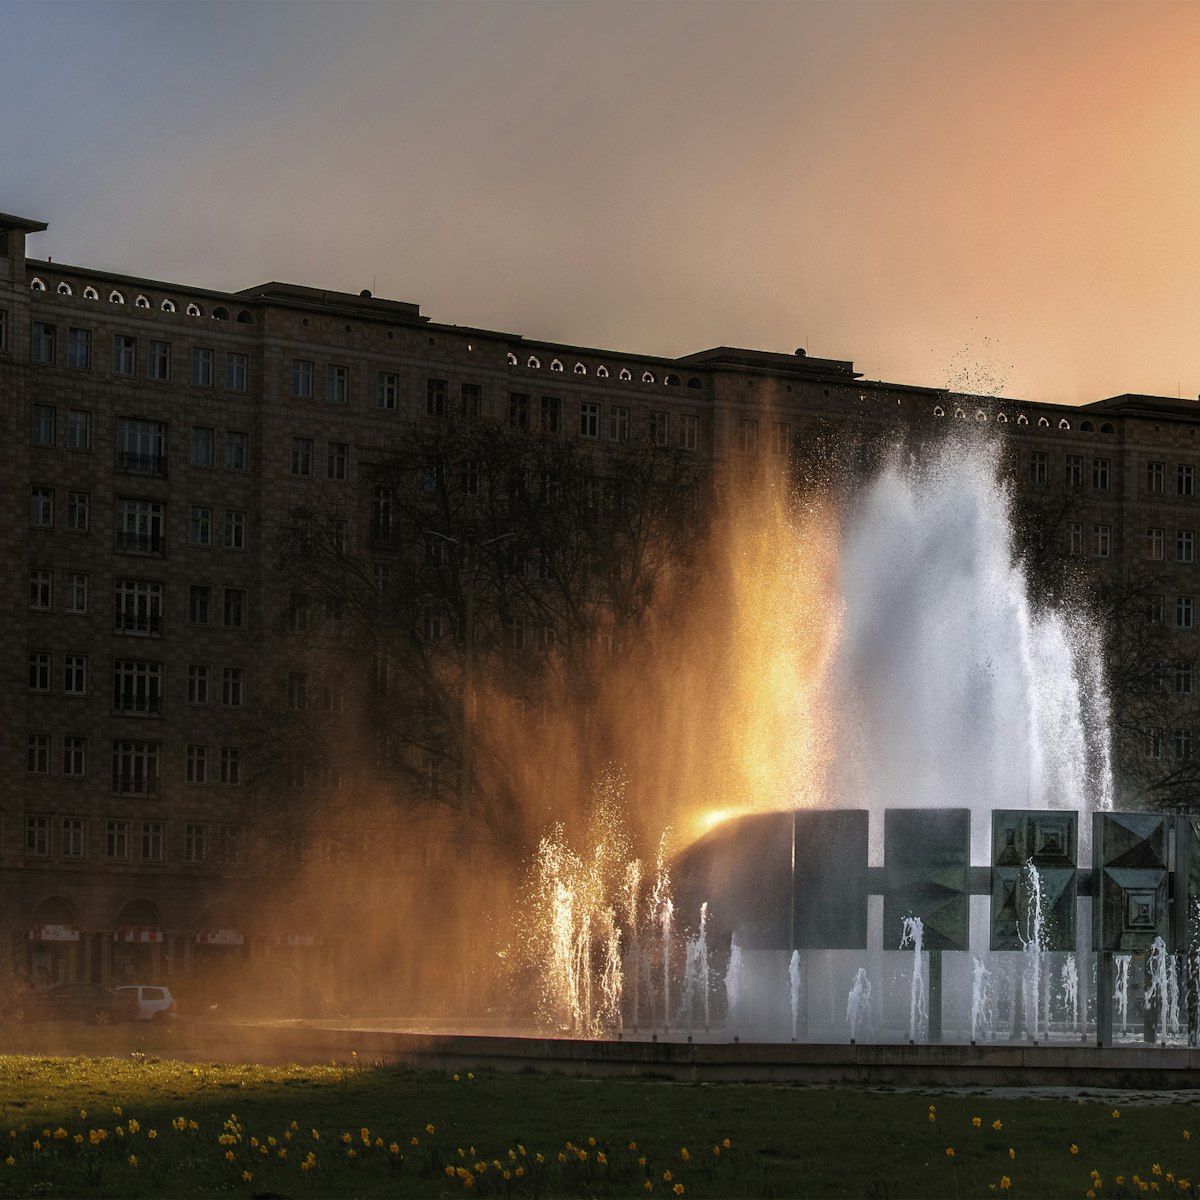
(9, 221)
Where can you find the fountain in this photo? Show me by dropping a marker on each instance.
(954, 785)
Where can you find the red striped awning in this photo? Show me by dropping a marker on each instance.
(142, 934)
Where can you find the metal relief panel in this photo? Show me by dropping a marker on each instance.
(830, 888)
(926, 858)
(1048, 839)
(743, 869)
(1129, 881)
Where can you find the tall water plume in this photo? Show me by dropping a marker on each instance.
(952, 688)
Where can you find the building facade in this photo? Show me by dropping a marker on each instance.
(160, 435)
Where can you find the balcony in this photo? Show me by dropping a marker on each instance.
(129, 542)
(137, 462)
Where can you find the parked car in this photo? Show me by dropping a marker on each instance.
(155, 1003)
(73, 1002)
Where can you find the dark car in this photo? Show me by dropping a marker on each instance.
(73, 1002)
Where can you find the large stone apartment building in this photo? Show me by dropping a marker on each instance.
(158, 435)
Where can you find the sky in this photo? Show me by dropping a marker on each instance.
(990, 195)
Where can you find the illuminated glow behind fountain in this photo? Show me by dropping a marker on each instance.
(898, 663)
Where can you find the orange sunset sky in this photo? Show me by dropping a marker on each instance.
(987, 195)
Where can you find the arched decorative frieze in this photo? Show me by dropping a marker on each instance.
(194, 310)
(220, 313)
(90, 293)
(167, 306)
(65, 289)
(142, 302)
(512, 359)
(1064, 424)
(37, 285)
(601, 372)
(625, 374)
(580, 369)
(647, 376)
(115, 297)
(671, 380)
(555, 365)
(534, 362)
(938, 411)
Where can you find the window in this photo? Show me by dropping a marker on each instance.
(1156, 474)
(41, 508)
(138, 607)
(201, 447)
(3, 328)
(388, 393)
(1154, 744)
(37, 837)
(381, 511)
(337, 384)
(39, 671)
(339, 536)
(237, 450)
(235, 608)
(1185, 612)
(689, 431)
(77, 593)
(748, 436)
(231, 765)
(1101, 470)
(233, 687)
(135, 767)
(435, 397)
(302, 379)
(1185, 479)
(514, 633)
(335, 615)
(202, 367)
(197, 683)
(237, 374)
(74, 755)
(152, 841)
(518, 409)
(37, 754)
(158, 364)
(1076, 532)
(337, 459)
(195, 837)
(618, 423)
(41, 589)
(139, 526)
(141, 446)
(235, 529)
(116, 839)
(79, 349)
(1039, 467)
(79, 511)
(1074, 472)
(469, 477)
(137, 687)
(302, 452)
(472, 402)
(79, 429)
(297, 690)
(72, 842)
(1183, 678)
(124, 354)
(75, 674)
(197, 764)
(1183, 744)
(199, 604)
(200, 526)
(1154, 610)
(42, 432)
(230, 843)
(1185, 545)
(1155, 542)
(42, 343)
(297, 613)
(589, 420)
(1102, 540)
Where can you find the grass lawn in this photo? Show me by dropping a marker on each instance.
(138, 1127)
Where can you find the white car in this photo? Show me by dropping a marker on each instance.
(155, 1003)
